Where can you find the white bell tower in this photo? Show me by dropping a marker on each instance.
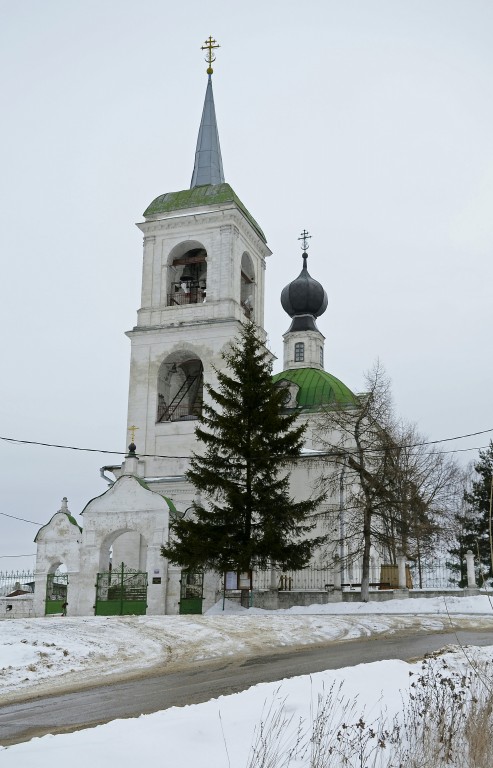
(203, 275)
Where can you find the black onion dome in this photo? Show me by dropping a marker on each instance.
(304, 296)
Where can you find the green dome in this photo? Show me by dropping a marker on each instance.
(316, 388)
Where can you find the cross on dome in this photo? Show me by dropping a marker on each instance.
(305, 237)
(209, 46)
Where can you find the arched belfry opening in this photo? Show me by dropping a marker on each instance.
(187, 274)
(247, 296)
(180, 387)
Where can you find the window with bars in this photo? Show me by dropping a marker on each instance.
(299, 352)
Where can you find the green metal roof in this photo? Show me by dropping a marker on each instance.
(210, 194)
(317, 388)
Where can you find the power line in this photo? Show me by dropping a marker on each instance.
(162, 456)
(90, 450)
(20, 518)
(448, 439)
(4, 556)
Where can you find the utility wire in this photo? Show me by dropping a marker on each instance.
(161, 456)
(4, 556)
(447, 439)
(20, 518)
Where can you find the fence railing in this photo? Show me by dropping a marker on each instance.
(436, 575)
(16, 581)
(309, 579)
(178, 412)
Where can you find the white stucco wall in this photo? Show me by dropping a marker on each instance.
(58, 543)
(126, 507)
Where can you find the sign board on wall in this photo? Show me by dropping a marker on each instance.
(234, 580)
(231, 580)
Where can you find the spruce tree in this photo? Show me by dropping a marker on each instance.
(474, 521)
(249, 519)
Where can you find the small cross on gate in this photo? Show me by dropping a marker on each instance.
(133, 430)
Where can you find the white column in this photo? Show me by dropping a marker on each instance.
(471, 575)
(401, 568)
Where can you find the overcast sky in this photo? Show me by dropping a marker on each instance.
(369, 123)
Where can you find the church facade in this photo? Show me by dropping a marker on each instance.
(204, 262)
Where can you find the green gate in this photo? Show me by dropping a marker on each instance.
(191, 592)
(121, 592)
(56, 592)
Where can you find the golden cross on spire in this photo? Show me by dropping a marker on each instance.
(209, 46)
(305, 237)
(133, 430)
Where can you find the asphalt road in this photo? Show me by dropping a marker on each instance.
(158, 690)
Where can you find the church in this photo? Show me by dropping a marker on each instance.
(204, 262)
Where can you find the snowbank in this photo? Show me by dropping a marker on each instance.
(53, 653)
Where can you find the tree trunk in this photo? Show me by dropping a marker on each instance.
(365, 573)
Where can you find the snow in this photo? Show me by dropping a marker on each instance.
(193, 736)
(438, 605)
(54, 652)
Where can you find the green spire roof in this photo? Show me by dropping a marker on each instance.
(198, 197)
(317, 388)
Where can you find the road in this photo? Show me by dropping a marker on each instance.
(156, 690)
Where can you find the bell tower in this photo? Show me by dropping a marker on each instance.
(203, 276)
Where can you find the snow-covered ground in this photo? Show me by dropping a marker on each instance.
(58, 652)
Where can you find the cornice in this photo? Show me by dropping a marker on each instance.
(205, 220)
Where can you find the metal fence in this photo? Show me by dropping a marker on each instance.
(309, 579)
(425, 575)
(16, 581)
(434, 575)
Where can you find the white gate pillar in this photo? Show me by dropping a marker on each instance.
(471, 575)
(402, 590)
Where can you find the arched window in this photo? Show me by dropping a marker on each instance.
(180, 388)
(299, 352)
(187, 275)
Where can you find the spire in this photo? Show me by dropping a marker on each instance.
(208, 168)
